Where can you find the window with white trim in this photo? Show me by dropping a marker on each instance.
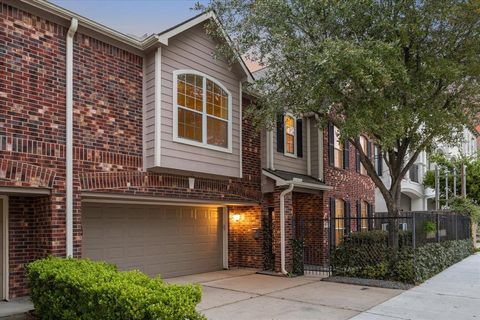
(290, 134)
(203, 111)
(338, 149)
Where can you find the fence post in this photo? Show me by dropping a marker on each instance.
(456, 226)
(438, 227)
(414, 237)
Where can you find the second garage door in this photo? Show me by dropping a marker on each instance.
(158, 240)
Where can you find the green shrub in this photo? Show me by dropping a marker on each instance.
(83, 289)
(433, 258)
(366, 255)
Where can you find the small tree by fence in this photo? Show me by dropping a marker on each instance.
(428, 243)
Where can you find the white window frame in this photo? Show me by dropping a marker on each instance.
(203, 143)
(288, 154)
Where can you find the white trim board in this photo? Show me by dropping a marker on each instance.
(203, 144)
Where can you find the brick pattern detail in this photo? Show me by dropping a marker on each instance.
(347, 184)
(30, 235)
(144, 181)
(17, 173)
(310, 225)
(107, 146)
(243, 249)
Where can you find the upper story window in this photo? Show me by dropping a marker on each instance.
(364, 145)
(338, 149)
(290, 135)
(290, 129)
(202, 111)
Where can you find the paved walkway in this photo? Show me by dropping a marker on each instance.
(454, 294)
(242, 294)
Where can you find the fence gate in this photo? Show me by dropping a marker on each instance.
(311, 245)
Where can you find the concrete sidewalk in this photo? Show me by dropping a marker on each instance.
(454, 294)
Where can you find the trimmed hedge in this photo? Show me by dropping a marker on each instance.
(83, 289)
(366, 255)
(436, 257)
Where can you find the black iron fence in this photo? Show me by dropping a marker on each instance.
(359, 245)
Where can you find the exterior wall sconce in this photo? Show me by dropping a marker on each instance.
(236, 217)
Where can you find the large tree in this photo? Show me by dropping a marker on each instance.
(403, 73)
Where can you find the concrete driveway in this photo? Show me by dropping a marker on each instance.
(243, 294)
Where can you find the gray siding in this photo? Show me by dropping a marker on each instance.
(149, 114)
(290, 164)
(193, 49)
(314, 148)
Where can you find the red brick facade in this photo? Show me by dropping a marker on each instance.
(108, 149)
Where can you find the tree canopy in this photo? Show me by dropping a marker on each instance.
(402, 72)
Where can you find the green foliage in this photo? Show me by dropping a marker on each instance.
(366, 255)
(83, 289)
(433, 258)
(404, 73)
(298, 262)
(473, 176)
(429, 226)
(466, 206)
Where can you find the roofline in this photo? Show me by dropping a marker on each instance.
(282, 182)
(164, 36)
(137, 44)
(90, 24)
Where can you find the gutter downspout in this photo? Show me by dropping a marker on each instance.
(282, 227)
(69, 139)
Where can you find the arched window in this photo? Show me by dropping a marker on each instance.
(202, 109)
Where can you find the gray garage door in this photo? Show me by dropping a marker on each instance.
(158, 240)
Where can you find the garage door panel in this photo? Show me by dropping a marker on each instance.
(170, 241)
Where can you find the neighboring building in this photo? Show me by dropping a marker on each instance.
(416, 197)
(137, 152)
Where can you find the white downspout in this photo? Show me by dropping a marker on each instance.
(69, 141)
(282, 227)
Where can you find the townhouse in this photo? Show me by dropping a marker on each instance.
(137, 152)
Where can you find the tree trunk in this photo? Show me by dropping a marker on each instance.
(393, 231)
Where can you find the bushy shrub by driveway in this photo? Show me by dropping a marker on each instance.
(83, 289)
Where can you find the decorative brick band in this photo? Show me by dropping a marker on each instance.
(114, 158)
(93, 181)
(21, 173)
(41, 148)
(29, 146)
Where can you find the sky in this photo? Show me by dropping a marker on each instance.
(134, 17)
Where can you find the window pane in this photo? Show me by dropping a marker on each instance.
(290, 144)
(217, 101)
(190, 91)
(189, 125)
(217, 132)
(364, 215)
(339, 221)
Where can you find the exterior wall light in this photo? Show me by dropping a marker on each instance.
(236, 217)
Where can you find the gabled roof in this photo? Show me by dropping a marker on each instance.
(164, 36)
(283, 178)
(138, 45)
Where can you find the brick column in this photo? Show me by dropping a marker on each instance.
(288, 230)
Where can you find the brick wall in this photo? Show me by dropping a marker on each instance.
(347, 184)
(107, 137)
(244, 249)
(30, 235)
